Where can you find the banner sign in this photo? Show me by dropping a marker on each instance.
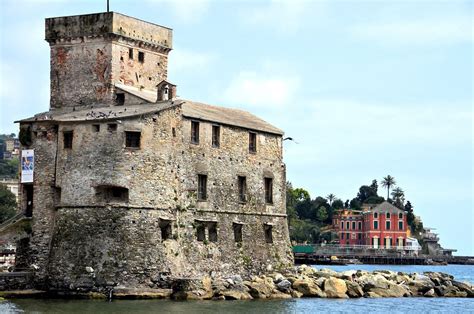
(27, 165)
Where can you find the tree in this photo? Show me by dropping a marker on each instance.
(346, 204)
(355, 204)
(365, 192)
(331, 197)
(388, 182)
(322, 214)
(398, 197)
(374, 186)
(408, 207)
(7, 203)
(337, 204)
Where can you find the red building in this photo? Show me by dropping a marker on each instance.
(380, 226)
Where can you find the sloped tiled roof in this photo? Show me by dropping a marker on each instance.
(190, 109)
(386, 207)
(227, 116)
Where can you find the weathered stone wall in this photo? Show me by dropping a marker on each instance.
(90, 53)
(35, 251)
(122, 241)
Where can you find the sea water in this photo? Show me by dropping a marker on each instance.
(306, 305)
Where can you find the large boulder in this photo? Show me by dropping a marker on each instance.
(308, 287)
(335, 288)
(420, 285)
(369, 281)
(306, 270)
(392, 291)
(454, 292)
(192, 289)
(233, 294)
(261, 288)
(464, 288)
(284, 285)
(354, 290)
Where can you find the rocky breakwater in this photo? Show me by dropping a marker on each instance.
(305, 281)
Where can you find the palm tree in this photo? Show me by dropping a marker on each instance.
(388, 182)
(331, 197)
(399, 197)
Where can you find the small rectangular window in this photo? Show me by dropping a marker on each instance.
(360, 225)
(165, 228)
(376, 215)
(353, 225)
(96, 127)
(119, 99)
(348, 225)
(359, 236)
(141, 56)
(132, 139)
(200, 232)
(342, 225)
(212, 229)
(216, 136)
(400, 215)
(268, 190)
(388, 215)
(242, 182)
(400, 225)
(342, 236)
(376, 225)
(112, 127)
(268, 233)
(68, 136)
(194, 132)
(387, 225)
(252, 142)
(130, 53)
(202, 187)
(237, 232)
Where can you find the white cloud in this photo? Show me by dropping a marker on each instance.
(286, 16)
(187, 60)
(443, 30)
(185, 10)
(253, 89)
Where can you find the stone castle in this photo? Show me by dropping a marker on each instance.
(132, 184)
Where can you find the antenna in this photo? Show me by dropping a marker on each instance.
(107, 5)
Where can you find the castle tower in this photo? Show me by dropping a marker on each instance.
(93, 55)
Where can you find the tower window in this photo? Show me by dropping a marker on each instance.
(132, 139)
(242, 182)
(112, 127)
(202, 187)
(252, 142)
(237, 232)
(119, 99)
(212, 229)
(216, 136)
(141, 56)
(268, 190)
(130, 53)
(165, 228)
(268, 229)
(200, 232)
(96, 127)
(68, 136)
(194, 132)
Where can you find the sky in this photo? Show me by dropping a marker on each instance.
(365, 88)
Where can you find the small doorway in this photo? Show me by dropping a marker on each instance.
(28, 189)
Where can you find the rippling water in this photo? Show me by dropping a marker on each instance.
(392, 305)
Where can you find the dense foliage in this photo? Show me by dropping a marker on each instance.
(310, 219)
(7, 203)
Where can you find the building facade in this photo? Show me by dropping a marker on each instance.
(131, 183)
(377, 226)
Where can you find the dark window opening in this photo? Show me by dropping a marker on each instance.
(348, 236)
(387, 225)
(388, 215)
(202, 187)
(268, 190)
(28, 190)
(252, 142)
(400, 225)
(141, 56)
(212, 229)
(376, 225)
(342, 236)
(216, 136)
(121, 58)
(194, 132)
(348, 225)
(237, 232)
(119, 99)
(173, 131)
(268, 233)
(342, 224)
(165, 227)
(376, 215)
(96, 127)
(112, 193)
(200, 232)
(353, 225)
(132, 139)
(130, 53)
(400, 215)
(112, 127)
(242, 182)
(360, 225)
(68, 136)
(359, 236)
